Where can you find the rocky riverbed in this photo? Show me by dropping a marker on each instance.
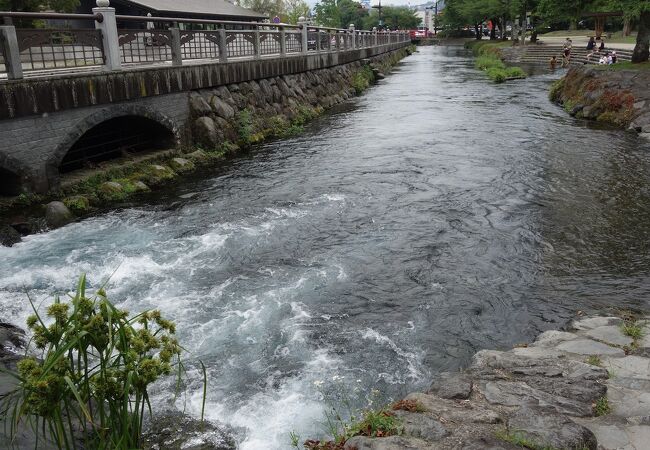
(584, 388)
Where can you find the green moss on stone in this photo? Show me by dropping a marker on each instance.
(78, 204)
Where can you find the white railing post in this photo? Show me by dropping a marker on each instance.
(9, 48)
(352, 36)
(177, 56)
(283, 42)
(257, 43)
(108, 27)
(223, 44)
(304, 35)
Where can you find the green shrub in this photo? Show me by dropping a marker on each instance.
(497, 74)
(90, 381)
(361, 79)
(245, 127)
(515, 72)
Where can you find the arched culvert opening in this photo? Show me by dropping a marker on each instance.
(10, 183)
(116, 138)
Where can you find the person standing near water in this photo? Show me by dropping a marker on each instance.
(568, 44)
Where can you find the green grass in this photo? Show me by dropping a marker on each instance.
(517, 438)
(602, 407)
(594, 360)
(88, 381)
(379, 423)
(633, 330)
(486, 62)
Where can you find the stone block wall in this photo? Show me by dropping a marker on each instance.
(272, 102)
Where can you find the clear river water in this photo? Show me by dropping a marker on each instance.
(436, 215)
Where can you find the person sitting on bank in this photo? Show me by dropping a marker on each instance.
(604, 60)
(602, 45)
(553, 62)
(614, 57)
(591, 44)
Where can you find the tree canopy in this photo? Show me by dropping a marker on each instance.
(463, 13)
(342, 13)
(39, 5)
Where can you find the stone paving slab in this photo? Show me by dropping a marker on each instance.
(589, 348)
(628, 367)
(548, 392)
(610, 334)
(595, 322)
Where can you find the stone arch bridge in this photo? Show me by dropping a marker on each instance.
(48, 117)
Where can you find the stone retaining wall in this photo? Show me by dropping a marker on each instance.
(251, 110)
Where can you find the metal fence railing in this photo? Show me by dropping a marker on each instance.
(115, 41)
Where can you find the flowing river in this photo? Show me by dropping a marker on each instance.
(436, 215)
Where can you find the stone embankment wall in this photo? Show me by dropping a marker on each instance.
(586, 388)
(248, 112)
(618, 97)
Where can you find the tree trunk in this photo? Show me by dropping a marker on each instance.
(573, 25)
(493, 31)
(627, 27)
(642, 49)
(502, 27)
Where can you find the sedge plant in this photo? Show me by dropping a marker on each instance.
(86, 386)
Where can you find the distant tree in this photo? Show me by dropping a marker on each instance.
(296, 9)
(340, 13)
(39, 5)
(270, 7)
(640, 10)
(554, 11)
(395, 18)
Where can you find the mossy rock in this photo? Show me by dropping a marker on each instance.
(197, 156)
(111, 191)
(156, 174)
(181, 165)
(78, 204)
(140, 186)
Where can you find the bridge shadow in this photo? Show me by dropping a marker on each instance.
(116, 138)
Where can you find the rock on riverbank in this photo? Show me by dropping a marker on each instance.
(618, 97)
(586, 388)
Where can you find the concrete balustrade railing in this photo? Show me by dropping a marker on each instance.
(164, 40)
